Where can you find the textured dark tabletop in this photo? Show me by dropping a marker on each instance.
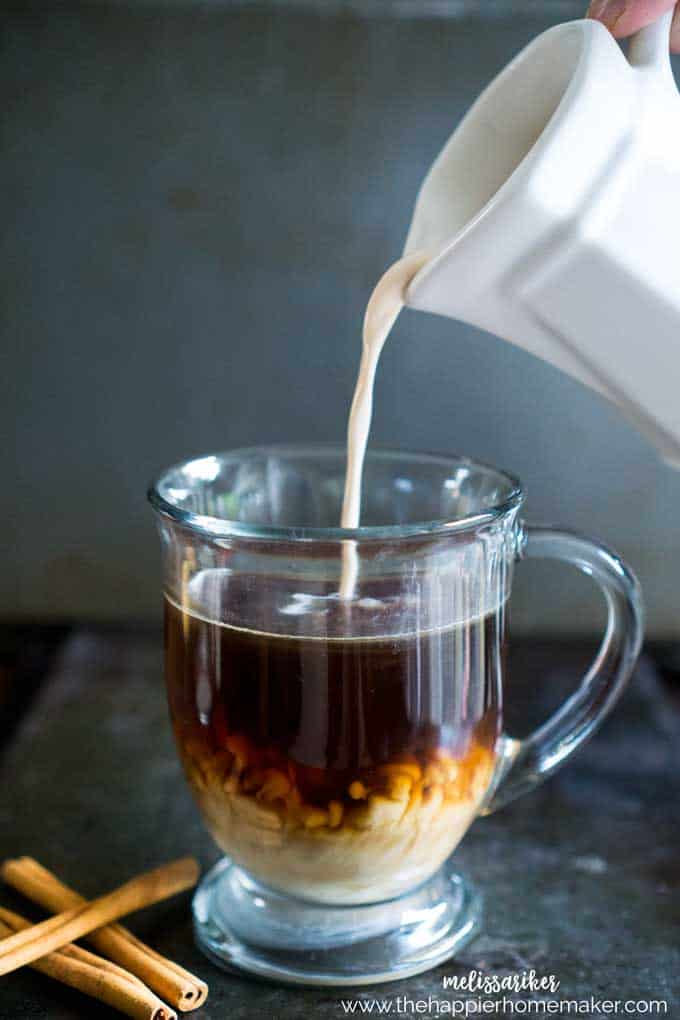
(581, 878)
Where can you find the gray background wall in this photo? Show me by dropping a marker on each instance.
(195, 203)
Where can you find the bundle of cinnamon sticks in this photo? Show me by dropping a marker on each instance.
(129, 975)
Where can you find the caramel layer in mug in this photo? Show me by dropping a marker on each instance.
(385, 794)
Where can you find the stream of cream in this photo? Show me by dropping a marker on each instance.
(382, 311)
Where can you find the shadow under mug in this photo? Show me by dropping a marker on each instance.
(339, 749)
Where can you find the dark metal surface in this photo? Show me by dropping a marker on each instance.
(26, 653)
(581, 879)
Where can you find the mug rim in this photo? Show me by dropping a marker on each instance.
(212, 527)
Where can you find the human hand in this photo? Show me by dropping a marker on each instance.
(624, 17)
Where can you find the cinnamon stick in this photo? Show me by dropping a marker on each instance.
(93, 976)
(40, 939)
(173, 983)
(18, 923)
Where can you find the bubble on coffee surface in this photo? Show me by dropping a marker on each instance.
(302, 603)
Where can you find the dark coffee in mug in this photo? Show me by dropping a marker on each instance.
(318, 759)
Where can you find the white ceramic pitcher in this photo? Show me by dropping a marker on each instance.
(553, 217)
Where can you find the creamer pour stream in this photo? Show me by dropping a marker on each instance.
(382, 311)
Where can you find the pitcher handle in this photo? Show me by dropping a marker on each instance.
(524, 764)
(650, 48)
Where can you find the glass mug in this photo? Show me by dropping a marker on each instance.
(339, 749)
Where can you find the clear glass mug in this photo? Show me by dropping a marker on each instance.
(339, 749)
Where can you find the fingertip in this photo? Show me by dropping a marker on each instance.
(675, 32)
(625, 17)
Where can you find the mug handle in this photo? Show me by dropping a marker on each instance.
(524, 764)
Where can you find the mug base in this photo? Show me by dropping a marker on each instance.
(242, 925)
